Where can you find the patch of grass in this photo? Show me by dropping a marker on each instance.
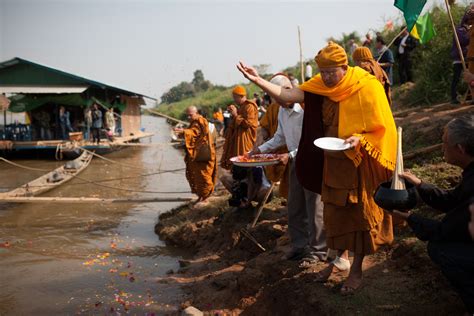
(207, 101)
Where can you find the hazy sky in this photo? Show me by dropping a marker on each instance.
(149, 46)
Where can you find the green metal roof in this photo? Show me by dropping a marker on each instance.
(18, 71)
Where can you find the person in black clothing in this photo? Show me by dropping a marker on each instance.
(405, 45)
(462, 31)
(450, 244)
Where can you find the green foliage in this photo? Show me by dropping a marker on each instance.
(199, 83)
(432, 63)
(208, 101)
(179, 92)
(186, 90)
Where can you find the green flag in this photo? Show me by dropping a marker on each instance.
(411, 10)
(423, 29)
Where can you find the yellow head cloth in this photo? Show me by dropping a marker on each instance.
(362, 54)
(239, 90)
(330, 56)
(364, 112)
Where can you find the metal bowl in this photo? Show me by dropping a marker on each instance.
(400, 200)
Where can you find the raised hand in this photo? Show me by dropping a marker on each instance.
(249, 72)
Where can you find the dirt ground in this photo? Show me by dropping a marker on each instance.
(230, 275)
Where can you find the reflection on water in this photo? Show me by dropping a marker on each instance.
(91, 258)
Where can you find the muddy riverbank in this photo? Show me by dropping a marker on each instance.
(92, 258)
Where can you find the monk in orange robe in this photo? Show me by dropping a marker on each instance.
(363, 58)
(218, 117)
(241, 133)
(348, 103)
(201, 165)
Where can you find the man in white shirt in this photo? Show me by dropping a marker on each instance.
(308, 73)
(305, 209)
(406, 43)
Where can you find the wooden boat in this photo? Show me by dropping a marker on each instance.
(67, 149)
(52, 179)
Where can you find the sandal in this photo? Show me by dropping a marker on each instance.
(308, 262)
(341, 264)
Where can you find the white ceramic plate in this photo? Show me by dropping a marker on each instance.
(235, 161)
(331, 144)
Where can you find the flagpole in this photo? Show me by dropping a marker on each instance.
(456, 38)
(393, 41)
(301, 55)
(458, 45)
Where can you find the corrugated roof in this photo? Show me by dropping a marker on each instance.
(19, 61)
(42, 89)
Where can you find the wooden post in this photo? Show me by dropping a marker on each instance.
(301, 55)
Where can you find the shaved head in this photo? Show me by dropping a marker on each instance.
(191, 109)
(282, 81)
(192, 112)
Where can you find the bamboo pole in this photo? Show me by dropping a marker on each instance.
(167, 117)
(301, 55)
(76, 200)
(393, 41)
(458, 44)
(262, 204)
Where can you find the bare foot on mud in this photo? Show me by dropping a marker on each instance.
(351, 285)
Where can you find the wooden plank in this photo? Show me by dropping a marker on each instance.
(76, 200)
(167, 116)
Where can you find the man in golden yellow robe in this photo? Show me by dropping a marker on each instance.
(200, 158)
(348, 103)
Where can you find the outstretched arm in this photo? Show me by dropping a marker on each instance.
(280, 94)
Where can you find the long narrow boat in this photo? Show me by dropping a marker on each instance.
(52, 179)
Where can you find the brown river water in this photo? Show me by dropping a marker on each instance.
(92, 259)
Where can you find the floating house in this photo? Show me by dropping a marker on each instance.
(39, 92)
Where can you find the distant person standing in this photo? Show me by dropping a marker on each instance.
(384, 57)
(64, 122)
(462, 31)
(227, 118)
(110, 120)
(96, 123)
(87, 123)
(405, 44)
(294, 81)
(308, 73)
(351, 45)
(368, 40)
(218, 119)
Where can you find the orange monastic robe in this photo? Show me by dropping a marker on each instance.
(278, 172)
(373, 68)
(241, 133)
(201, 176)
(218, 116)
(352, 219)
